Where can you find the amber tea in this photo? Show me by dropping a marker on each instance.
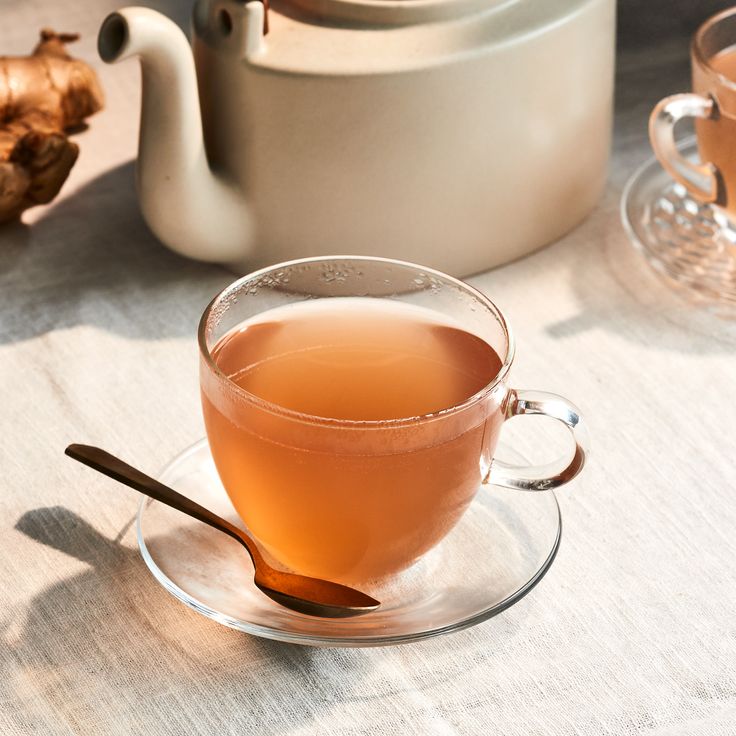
(717, 137)
(314, 438)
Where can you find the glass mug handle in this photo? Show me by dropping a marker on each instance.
(701, 180)
(550, 475)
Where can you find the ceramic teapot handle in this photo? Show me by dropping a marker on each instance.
(551, 475)
(701, 180)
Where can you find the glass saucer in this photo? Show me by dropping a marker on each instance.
(683, 240)
(501, 548)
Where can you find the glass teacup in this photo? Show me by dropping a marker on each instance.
(311, 372)
(712, 104)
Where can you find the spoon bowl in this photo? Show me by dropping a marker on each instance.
(310, 596)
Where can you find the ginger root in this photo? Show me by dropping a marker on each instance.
(42, 97)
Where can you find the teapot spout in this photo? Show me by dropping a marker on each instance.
(185, 204)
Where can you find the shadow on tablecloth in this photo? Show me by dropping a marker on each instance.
(91, 260)
(617, 291)
(107, 650)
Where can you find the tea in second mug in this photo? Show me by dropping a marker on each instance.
(713, 106)
(353, 406)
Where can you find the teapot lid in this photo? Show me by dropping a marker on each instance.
(394, 12)
(327, 37)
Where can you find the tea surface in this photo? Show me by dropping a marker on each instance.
(360, 360)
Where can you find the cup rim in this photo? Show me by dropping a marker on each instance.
(697, 50)
(357, 423)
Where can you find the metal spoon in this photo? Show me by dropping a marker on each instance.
(312, 596)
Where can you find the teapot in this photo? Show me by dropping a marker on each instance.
(457, 133)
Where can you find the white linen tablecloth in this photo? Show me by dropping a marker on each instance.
(633, 631)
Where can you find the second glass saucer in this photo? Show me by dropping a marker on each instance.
(679, 237)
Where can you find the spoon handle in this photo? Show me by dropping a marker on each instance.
(113, 467)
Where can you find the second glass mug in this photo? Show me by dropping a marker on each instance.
(712, 104)
(381, 493)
